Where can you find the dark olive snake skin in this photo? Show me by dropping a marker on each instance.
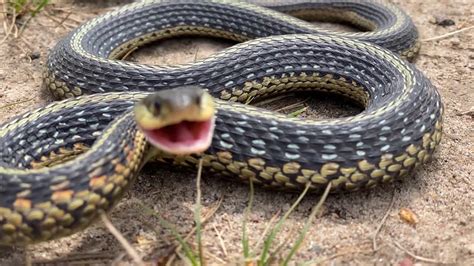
(63, 164)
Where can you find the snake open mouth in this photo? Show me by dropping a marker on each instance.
(185, 137)
(178, 121)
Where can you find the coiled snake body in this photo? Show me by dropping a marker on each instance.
(62, 164)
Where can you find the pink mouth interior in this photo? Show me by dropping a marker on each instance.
(182, 138)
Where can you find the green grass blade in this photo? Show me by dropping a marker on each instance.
(249, 100)
(197, 213)
(164, 223)
(297, 112)
(308, 223)
(245, 240)
(18, 5)
(39, 7)
(276, 229)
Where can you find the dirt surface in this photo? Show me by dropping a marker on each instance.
(440, 194)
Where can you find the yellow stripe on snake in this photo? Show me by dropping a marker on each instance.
(63, 164)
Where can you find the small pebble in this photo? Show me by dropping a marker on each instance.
(34, 55)
(316, 249)
(408, 216)
(470, 248)
(443, 22)
(455, 41)
(406, 262)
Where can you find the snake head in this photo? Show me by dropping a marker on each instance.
(178, 121)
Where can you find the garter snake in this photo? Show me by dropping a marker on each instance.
(82, 161)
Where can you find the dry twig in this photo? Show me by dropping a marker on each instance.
(8, 28)
(273, 99)
(449, 34)
(121, 239)
(270, 223)
(221, 241)
(15, 103)
(292, 106)
(382, 222)
(413, 255)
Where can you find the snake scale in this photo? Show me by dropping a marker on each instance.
(64, 163)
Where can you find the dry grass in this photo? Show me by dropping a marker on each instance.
(17, 14)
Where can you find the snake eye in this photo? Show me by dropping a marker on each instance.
(156, 107)
(198, 100)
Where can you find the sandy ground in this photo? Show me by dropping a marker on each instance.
(440, 194)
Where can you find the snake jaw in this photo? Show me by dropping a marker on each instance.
(185, 137)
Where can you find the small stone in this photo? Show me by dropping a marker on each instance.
(470, 248)
(440, 21)
(408, 216)
(446, 22)
(406, 262)
(34, 55)
(315, 248)
(432, 20)
(455, 41)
